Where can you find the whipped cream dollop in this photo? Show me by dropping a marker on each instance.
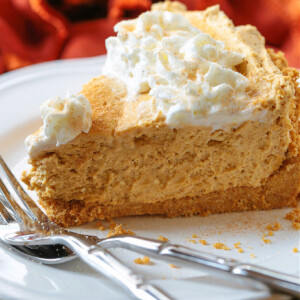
(63, 120)
(190, 75)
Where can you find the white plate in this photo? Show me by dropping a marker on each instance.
(21, 93)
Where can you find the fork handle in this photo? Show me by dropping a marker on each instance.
(275, 280)
(105, 263)
(167, 251)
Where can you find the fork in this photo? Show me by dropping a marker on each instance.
(166, 251)
(32, 220)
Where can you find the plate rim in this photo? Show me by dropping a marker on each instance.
(8, 80)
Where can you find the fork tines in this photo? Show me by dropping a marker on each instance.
(9, 189)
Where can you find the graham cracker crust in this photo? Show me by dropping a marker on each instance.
(280, 190)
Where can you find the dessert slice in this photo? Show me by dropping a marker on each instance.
(191, 115)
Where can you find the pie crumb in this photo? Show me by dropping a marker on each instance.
(163, 239)
(221, 246)
(192, 241)
(237, 245)
(118, 229)
(100, 226)
(294, 216)
(143, 261)
(252, 255)
(173, 266)
(295, 250)
(112, 225)
(274, 227)
(203, 242)
(194, 235)
(296, 225)
(266, 241)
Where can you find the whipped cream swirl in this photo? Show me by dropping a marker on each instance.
(63, 120)
(190, 75)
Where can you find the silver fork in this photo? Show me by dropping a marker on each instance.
(219, 266)
(33, 222)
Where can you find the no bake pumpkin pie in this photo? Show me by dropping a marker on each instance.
(191, 115)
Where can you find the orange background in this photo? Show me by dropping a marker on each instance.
(33, 31)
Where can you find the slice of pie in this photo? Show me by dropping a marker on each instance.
(191, 115)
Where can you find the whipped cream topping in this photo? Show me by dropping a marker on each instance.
(190, 76)
(63, 120)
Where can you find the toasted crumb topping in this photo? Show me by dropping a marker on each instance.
(241, 250)
(295, 250)
(163, 239)
(194, 236)
(143, 261)
(252, 255)
(271, 233)
(221, 246)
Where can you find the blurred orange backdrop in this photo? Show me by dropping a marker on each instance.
(33, 31)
